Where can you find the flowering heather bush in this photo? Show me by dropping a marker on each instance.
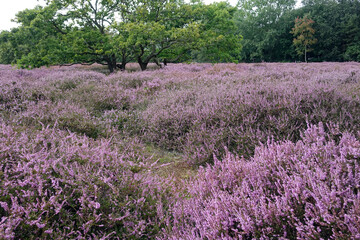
(303, 190)
(76, 147)
(75, 100)
(240, 106)
(56, 185)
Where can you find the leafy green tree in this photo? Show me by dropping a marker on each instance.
(304, 35)
(85, 36)
(68, 32)
(150, 39)
(351, 31)
(219, 39)
(28, 40)
(336, 24)
(145, 29)
(7, 52)
(35, 37)
(259, 22)
(159, 27)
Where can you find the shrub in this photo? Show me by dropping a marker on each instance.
(203, 119)
(61, 186)
(303, 190)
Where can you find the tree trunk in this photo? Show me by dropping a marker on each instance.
(143, 65)
(123, 64)
(110, 67)
(111, 62)
(305, 55)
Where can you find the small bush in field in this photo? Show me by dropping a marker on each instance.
(67, 85)
(77, 124)
(303, 190)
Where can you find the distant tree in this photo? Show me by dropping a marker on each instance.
(351, 30)
(337, 28)
(26, 45)
(258, 21)
(304, 35)
(63, 32)
(7, 52)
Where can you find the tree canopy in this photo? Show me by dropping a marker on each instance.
(116, 32)
(266, 27)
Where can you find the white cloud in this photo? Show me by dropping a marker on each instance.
(10, 8)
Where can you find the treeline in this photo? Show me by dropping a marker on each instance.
(116, 32)
(267, 26)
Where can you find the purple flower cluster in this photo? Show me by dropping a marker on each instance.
(57, 185)
(304, 190)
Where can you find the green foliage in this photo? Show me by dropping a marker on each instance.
(336, 24)
(353, 53)
(266, 27)
(7, 52)
(352, 32)
(259, 21)
(85, 31)
(115, 32)
(219, 39)
(159, 30)
(34, 42)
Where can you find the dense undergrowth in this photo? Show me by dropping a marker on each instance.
(89, 156)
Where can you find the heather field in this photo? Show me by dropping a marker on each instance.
(190, 151)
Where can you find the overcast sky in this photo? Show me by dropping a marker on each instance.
(11, 7)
